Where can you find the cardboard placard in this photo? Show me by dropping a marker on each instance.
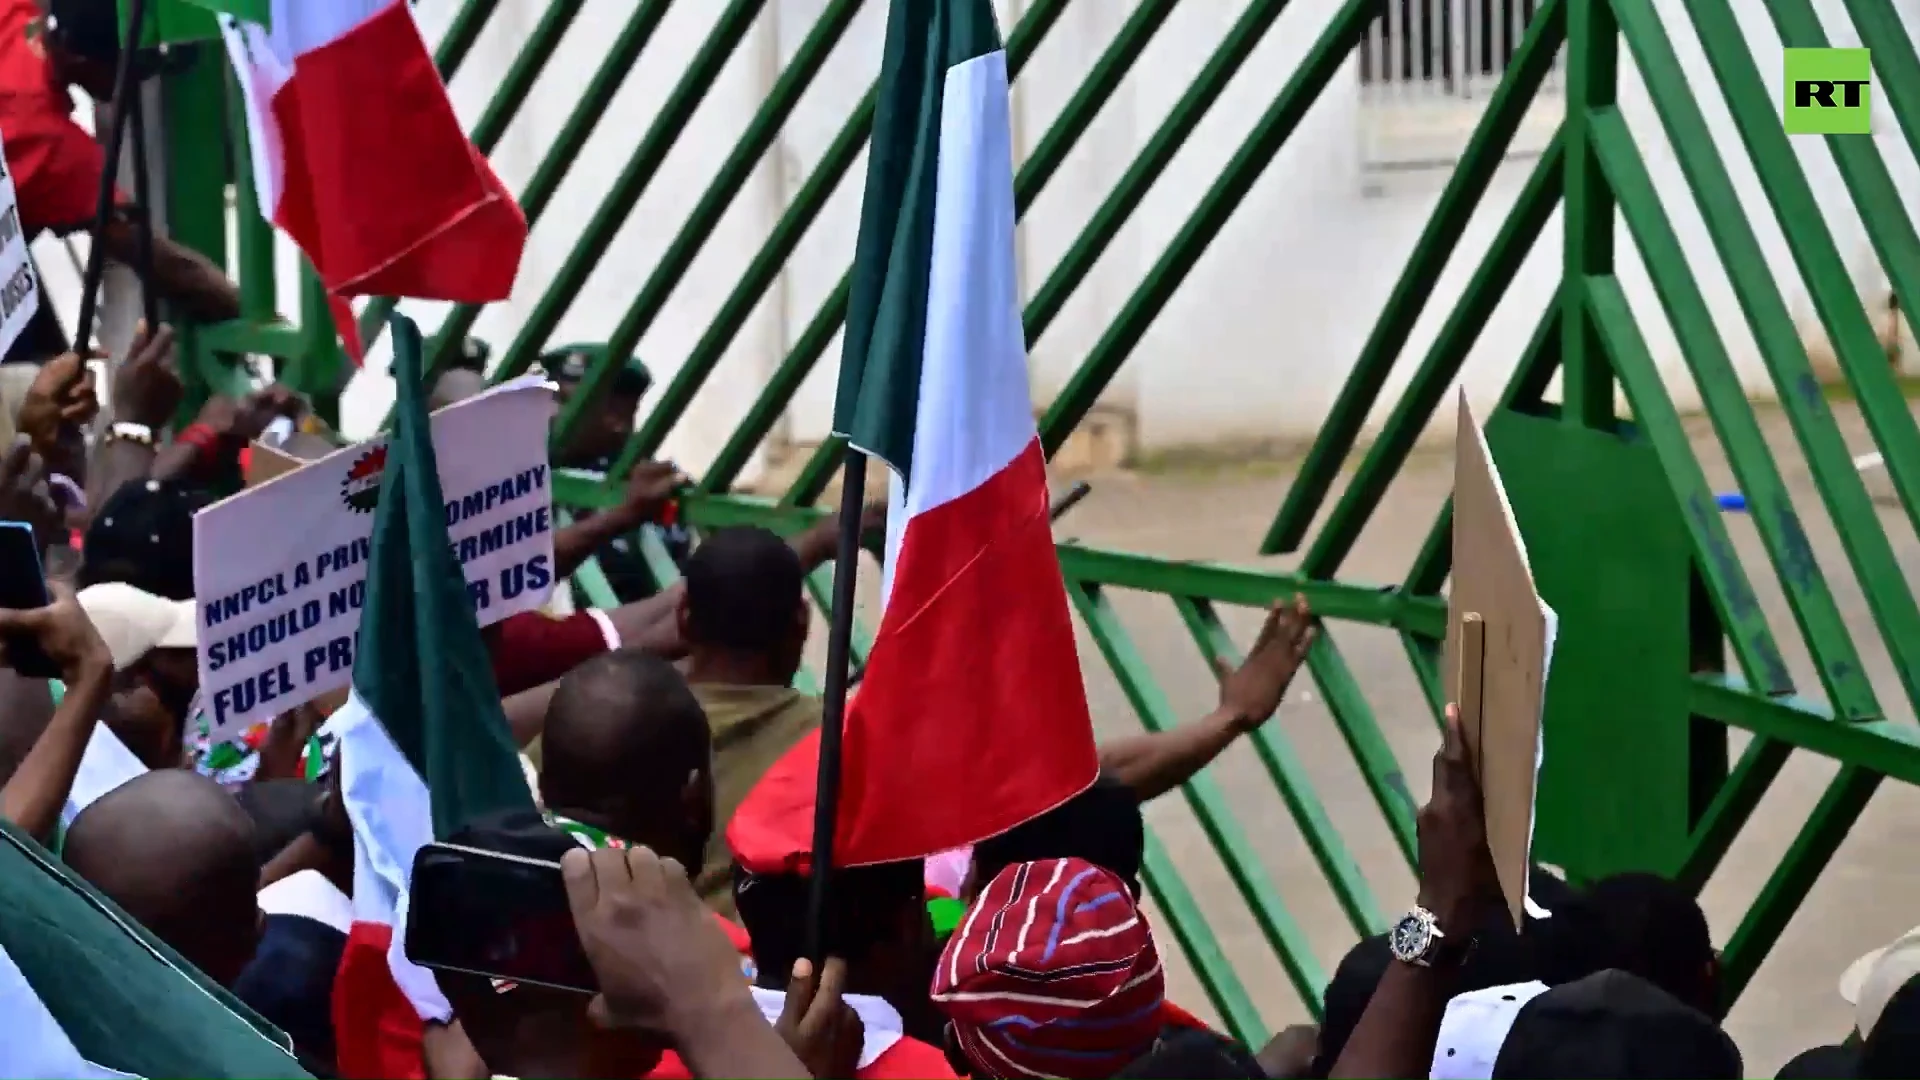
(265, 462)
(279, 569)
(1499, 645)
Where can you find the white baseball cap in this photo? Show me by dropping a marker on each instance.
(1871, 981)
(134, 622)
(1475, 1027)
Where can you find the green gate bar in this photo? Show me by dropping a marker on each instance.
(1680, 805)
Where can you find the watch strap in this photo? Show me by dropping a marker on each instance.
(127, 431)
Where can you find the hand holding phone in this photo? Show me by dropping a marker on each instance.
(661, 960)
(489, 913)
(23, 587)
(622, 923)
(44, 633)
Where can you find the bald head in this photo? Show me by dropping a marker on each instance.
(175, 851)
(626, 743)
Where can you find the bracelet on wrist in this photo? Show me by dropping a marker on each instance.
(207, 444)
(139, 434)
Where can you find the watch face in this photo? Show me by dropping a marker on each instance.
(1410, 937)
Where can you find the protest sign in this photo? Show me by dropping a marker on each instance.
(280, 569)
(19, 290)
(1499, 647)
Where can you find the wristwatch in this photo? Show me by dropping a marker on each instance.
(130, 432)
(1416, 939)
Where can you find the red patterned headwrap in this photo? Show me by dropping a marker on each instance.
(1052, 973)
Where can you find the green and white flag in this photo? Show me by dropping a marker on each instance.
(85, 992)
(423, 743)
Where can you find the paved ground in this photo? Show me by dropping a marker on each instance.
(1867, 897)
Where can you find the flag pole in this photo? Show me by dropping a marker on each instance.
(137, 117)
(833, 701)
(103, 204)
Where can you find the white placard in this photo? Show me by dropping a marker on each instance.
(19, 289)
(279, 571)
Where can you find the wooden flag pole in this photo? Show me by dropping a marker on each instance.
(833, 700)
(1470, 682)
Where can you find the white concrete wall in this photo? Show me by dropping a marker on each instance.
(1254, 346)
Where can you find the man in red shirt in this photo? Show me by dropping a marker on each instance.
(57, 165)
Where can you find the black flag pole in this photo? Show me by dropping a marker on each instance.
(142, 197)
(103, 204)
(833, 701)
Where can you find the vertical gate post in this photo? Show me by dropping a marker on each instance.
(1609, 547)
(194, 170)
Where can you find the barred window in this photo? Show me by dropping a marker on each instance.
(1443, 48)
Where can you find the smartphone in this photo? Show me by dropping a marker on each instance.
(23, 587)
(502, 916)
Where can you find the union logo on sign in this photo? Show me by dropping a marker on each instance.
(361, 489)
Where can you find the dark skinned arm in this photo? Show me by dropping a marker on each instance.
(576, 543)
(1396, 1033)
(116, 461)
(1155, 763)
(180, 274)
(68, 455)
(175, 461)
(36, 793)
(734, 1040)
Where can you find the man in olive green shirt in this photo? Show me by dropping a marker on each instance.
(744, 619)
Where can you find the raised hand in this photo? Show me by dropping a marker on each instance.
(24, 495)
(818, 1025)
(146, 386)
(62, 396)
(63, 632)
(651, 488)
(1252, 691)
(1456, 870)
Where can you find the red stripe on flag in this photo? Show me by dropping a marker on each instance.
(376, 1032)
(383, 191)
(972, 701)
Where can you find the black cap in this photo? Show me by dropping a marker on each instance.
(143, 535)
(1892, 1048)
(1102, 825)
(569, 364)
(1615, 1026)
(1346, 997)
(86, 28)
(1831, 1062)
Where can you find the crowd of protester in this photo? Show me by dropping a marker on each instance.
(671, 723)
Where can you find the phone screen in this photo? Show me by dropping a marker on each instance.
(503, 916)
(23, 587)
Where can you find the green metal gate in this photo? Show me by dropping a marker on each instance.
(1665, 646)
